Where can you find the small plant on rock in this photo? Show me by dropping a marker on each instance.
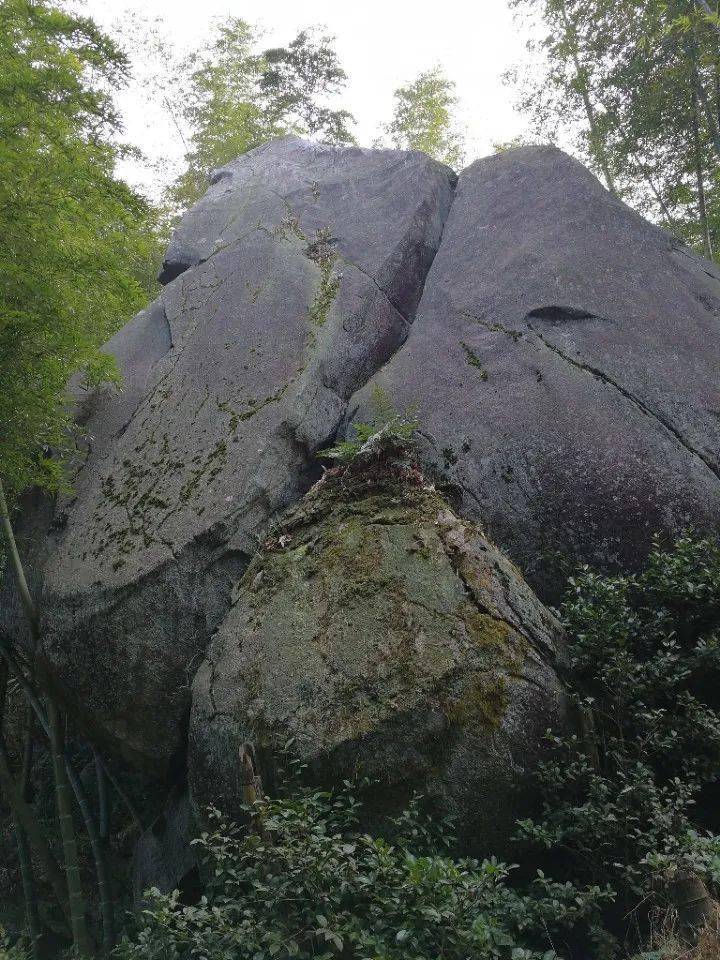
(387, 433)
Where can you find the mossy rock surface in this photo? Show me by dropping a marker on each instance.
(286, 287)
(386, 639)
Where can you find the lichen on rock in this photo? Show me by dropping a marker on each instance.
(384, 638)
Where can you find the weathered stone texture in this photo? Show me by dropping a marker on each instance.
(564, 366)
(382, 637)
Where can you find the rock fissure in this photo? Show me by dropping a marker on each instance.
(572, 313)
(393, 303)
(482, 608)
(631, 398)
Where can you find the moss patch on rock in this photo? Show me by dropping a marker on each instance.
(374, 631)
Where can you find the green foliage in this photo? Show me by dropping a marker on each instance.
(75, 237)
(237, 98)
(297, 82)
(322, 888)
(10, 950)
(221, 106)
(620, 803)
(396, 428)
(423, 118)
(635, 84)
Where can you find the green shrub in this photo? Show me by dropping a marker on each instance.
(324, 889)
(625, 808)
(621, 799)
(10, 950)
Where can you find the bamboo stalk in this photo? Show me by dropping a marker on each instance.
(32, 917)
(28, 753)
(25, 816)
(64, 775)
(103, 806)
(81, 937)
(96, 845)
(23, 589)
(101, 868)
(132, 810)
(24, 859)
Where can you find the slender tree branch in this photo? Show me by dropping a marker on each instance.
(711, 15)
(597, 146)
(25, 596)
(697, 158)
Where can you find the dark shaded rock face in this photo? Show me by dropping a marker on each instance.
(164, 856)
(296, 278)
(382, 637)
(564, 364)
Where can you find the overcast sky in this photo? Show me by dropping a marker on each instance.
(381, 43)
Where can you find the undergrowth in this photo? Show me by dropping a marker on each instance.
(629, 802)
(316, 886)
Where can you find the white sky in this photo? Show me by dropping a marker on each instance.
(382, 44)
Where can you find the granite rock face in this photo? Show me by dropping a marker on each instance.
(382, 636)
(295, 279)
(561, 356)
(564, 367)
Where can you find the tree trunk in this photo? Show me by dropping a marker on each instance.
(597, 147)
(697, 158)
(81, 937)
(252, 790)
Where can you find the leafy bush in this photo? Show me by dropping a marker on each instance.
(322, 888)
(621, 798)
(626, 809)
(10, 950)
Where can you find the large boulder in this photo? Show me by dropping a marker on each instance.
(381, 636)
(290, 283)
(564, 366)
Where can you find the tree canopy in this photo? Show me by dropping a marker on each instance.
(75, 236)
(636, 85)
(237, 98)
(423, 118)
